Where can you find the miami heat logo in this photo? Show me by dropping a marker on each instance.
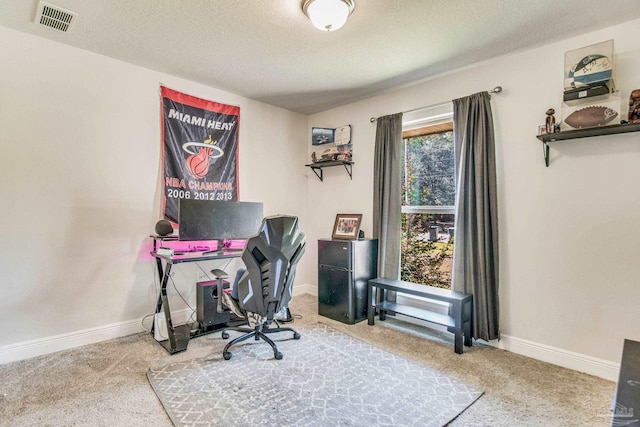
(198, 162)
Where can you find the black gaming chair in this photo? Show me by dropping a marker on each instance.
(266, 287)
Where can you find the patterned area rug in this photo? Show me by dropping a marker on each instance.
(326, 378)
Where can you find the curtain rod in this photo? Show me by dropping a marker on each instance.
(496, 89)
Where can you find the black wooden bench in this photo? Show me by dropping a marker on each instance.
(458, 321)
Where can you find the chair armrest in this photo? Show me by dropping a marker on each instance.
(220, 275)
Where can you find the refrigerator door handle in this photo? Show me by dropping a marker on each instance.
(331, 267)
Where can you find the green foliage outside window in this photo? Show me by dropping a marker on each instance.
(429, 177)
(423, 261)
(429, 180)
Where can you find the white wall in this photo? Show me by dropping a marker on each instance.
(80, 165)
(80, 148)
(569, 234)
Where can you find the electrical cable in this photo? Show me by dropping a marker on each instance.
(203, 272)
(291, 319)
(156, 288)
(142, 322)
(193, 311)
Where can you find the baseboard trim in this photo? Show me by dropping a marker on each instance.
(39, 347)
(556, 356)
(305, 289)
(28, 349)
(567, 359)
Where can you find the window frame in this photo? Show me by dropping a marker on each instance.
(427, 121)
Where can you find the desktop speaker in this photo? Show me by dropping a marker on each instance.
(163, 228)
(207, 304)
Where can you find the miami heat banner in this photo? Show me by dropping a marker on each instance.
(200, 146)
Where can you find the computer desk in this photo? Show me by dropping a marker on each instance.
(179, 336)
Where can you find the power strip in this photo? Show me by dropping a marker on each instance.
(164, 251)
(160, 327)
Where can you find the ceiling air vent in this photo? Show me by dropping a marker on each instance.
(55, 17)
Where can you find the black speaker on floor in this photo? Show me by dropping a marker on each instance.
(207, 304)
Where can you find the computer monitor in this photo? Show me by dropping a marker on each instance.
(214, 220)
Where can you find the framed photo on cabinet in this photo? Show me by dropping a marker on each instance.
(346, 226)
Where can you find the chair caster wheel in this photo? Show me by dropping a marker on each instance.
(225, 336)
(227, 355)
(296, 336)
(277, 355)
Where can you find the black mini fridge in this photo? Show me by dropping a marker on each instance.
(344, 268)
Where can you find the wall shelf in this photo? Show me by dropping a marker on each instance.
(318, 166)
(584, 133)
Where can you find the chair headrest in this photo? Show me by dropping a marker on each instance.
(282, 232)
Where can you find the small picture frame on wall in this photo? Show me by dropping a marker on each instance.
(321, 136)
(346, 226)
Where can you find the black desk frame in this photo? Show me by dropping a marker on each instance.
(179, 336)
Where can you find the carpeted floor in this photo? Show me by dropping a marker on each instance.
(327, 378)
(105, 384)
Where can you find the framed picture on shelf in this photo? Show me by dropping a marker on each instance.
(346, 227)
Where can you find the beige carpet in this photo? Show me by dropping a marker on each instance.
(105, 384)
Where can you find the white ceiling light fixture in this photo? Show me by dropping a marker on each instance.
(328, 15)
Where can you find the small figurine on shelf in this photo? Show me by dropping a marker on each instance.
(556, 127)
(634, 106)
(314, 158)
(551, 121)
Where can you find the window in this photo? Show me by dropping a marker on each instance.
(428, 199)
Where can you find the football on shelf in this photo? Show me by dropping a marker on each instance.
(590, 116)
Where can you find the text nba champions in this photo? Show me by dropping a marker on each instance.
(181, 189)
(178, 188)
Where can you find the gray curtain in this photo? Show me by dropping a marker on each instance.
(387, 197)
(475, 252)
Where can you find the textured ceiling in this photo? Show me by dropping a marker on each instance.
(267, 50)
